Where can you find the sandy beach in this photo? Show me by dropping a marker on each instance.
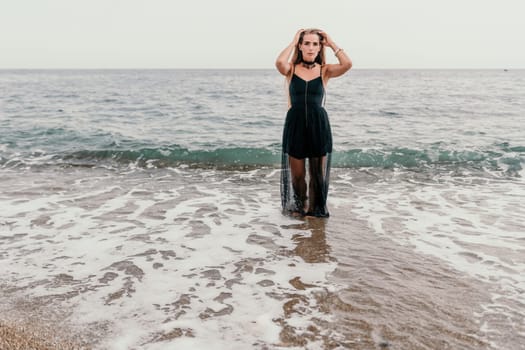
(13, 337)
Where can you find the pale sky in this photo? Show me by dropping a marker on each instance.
(250, 34)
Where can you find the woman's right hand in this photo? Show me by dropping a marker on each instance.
(297, 36)
(282, 63)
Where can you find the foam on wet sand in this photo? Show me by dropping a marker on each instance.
(198, 258)
(183, 263)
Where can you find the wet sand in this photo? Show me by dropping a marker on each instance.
(391, 303)
(199, 259)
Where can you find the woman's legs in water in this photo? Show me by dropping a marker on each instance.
(298, 173)
(317, 186)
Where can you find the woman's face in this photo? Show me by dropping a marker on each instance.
(310, 47)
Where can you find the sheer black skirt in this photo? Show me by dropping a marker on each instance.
(305, 163)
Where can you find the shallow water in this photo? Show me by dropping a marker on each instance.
(204, 258)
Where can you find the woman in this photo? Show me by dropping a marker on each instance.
(307, 137)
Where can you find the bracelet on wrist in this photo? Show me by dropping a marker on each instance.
(337, 51)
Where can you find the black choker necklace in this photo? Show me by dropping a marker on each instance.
(308, 65)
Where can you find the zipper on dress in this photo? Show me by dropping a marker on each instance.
(306, 103)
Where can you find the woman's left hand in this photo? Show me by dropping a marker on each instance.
(327, 41)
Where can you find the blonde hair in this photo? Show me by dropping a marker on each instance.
(297, 57)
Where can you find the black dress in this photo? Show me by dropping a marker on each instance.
(306, 135)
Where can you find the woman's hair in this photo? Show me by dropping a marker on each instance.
(297, 55)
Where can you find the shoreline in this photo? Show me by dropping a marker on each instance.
(190, 258)
(21, 336)
(38, 323)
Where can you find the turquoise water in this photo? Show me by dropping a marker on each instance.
(141, 209)
(424, 120)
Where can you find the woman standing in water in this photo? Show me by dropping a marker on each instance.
(307, 137)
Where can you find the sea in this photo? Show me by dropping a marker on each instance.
(140, 209)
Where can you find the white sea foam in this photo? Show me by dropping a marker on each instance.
(475, 226)
(163, 260)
